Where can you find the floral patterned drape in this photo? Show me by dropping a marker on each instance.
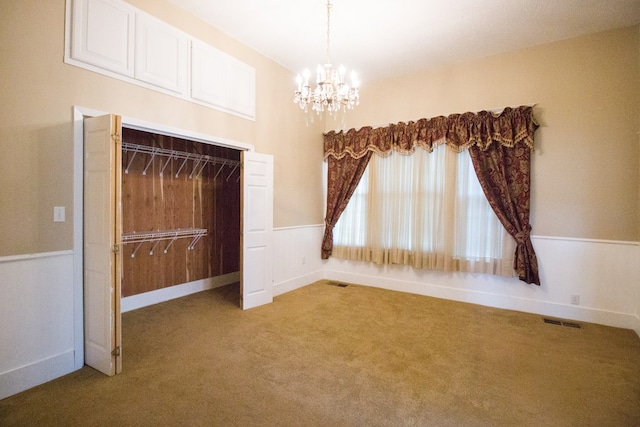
(504, 175)
(500, 150)
(343, 176)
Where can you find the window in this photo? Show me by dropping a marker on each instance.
(426, 210)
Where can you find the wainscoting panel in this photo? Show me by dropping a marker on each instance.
(37, 317)
(296, 260)
(602, 274)
(37, 295)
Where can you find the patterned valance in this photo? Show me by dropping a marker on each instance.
(458, 131)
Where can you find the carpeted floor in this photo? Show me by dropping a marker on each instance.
(325, 355)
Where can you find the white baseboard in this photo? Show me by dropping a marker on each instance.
(26, 377)
(165, 294)
(296, 282)
(544, 308)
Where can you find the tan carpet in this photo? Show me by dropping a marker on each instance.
(325, 355)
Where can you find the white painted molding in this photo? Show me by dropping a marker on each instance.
(582, 239)
(508, 302)
(185, 134)
(133, 123)
(602, 274)
(297, 282)
(534, 237)
(566, 264)
(165, 294)
(26, 377)
(296, 261)
(36, 302)
(77, 119)
(38, 255)
(297, 227)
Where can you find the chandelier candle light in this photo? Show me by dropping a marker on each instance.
(331, 92)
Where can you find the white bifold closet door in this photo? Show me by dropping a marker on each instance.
(256, 232)
(102, 231)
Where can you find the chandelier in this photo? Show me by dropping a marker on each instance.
(331, 92)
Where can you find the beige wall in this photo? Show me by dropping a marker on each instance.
(586, 91)
(38, 91)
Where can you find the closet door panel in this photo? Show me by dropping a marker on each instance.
(102, 229)
(161, 54)
(256, 287)
(103, 35)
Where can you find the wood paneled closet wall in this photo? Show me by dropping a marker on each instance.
(175, 191)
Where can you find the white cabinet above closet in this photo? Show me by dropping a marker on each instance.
(241, 80)
(207, 73)
(161, 54)
(220, 79)
(114, 38)
(103, 34)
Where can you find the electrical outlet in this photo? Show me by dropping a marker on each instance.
(575, 299)
(58, 214)
(304, 260)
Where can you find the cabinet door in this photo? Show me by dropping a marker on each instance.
(161, 54)
(221, 80)
(241, 87)
(103, 34)
(207, 74)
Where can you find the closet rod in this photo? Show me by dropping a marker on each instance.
(156, 236)
(200, 160)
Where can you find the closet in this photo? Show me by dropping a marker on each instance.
(180, 211)
(165, 208)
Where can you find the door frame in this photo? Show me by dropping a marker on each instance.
(78, 115)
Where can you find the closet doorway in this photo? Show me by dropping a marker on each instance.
(129, 212)
(180, 213)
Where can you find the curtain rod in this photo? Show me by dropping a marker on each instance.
(496, 110)
(501, 109)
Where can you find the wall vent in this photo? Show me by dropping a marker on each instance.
(562, 323)
(341, 285)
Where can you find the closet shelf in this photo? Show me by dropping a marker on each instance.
(199, 161)
(156, 237)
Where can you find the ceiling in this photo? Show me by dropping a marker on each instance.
(384, 38)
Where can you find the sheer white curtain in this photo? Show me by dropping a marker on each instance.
(426, 210)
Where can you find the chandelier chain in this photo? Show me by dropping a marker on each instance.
(328, 31)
